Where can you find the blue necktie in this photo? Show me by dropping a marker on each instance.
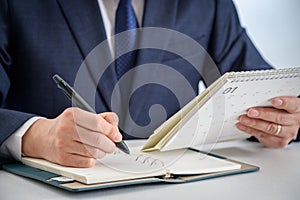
(125, 20)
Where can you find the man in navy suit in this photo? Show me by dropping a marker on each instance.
(41, 38)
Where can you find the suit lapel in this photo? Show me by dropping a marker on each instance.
(162, 16)
(86, 24)
(85, 21)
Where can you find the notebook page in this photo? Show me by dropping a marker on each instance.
(120, 166)
(113, 169)
(187, 162)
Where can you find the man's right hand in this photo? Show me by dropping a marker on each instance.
(75, 138)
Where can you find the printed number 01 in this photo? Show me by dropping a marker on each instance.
(229, 90)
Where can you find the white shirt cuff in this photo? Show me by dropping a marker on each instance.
(12, 146)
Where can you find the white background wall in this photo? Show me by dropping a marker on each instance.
(274, 27)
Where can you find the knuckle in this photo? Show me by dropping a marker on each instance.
(271, 128)
(98, 140)
(280, 119)
(113, 131)
(294, 109)
(115, 117)
(62, 127)
(105, 128)
(100, 125)
(68, 113)
(109, 131)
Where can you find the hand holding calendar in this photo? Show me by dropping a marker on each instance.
(262, 103)
(273, 126)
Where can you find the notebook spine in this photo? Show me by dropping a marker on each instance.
(264, 74)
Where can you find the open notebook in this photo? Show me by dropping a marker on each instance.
(211, 116)
(120, 166)
(119, 169)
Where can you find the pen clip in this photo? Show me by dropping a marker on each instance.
(61, 84)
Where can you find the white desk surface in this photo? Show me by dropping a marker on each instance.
(278, 178)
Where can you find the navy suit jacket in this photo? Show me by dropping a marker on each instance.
(41, 38)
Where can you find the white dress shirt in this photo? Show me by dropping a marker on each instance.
(12, 147)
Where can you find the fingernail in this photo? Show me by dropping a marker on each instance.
(241, 127)
(245, 120)
(118, 137)
(277, 102)
(253, 113)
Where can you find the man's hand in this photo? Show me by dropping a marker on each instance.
(273, 126)
(75, 138)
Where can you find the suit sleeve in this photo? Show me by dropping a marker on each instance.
(230, 46)
(10, 120)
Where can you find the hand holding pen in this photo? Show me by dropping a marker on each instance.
(79, 102)
(75, 138)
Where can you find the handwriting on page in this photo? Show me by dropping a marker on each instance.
(141, 158)
(132, 163)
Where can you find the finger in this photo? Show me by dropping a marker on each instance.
(268, 140)
(92, 122)
(94, 139)
(111, 117)
(272, 115)
(75, 147)
(260, 125)
(269, 127)
(74, 160)
(290, 104)
(94, 152)
(85, 150)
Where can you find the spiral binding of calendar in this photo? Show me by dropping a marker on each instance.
(264, 74)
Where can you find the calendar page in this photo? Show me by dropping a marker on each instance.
(211, 116)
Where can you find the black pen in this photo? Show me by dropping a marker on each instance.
(81, 103)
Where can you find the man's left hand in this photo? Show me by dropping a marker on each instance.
(273, 126)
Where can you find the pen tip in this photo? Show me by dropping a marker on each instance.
(123, 147)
